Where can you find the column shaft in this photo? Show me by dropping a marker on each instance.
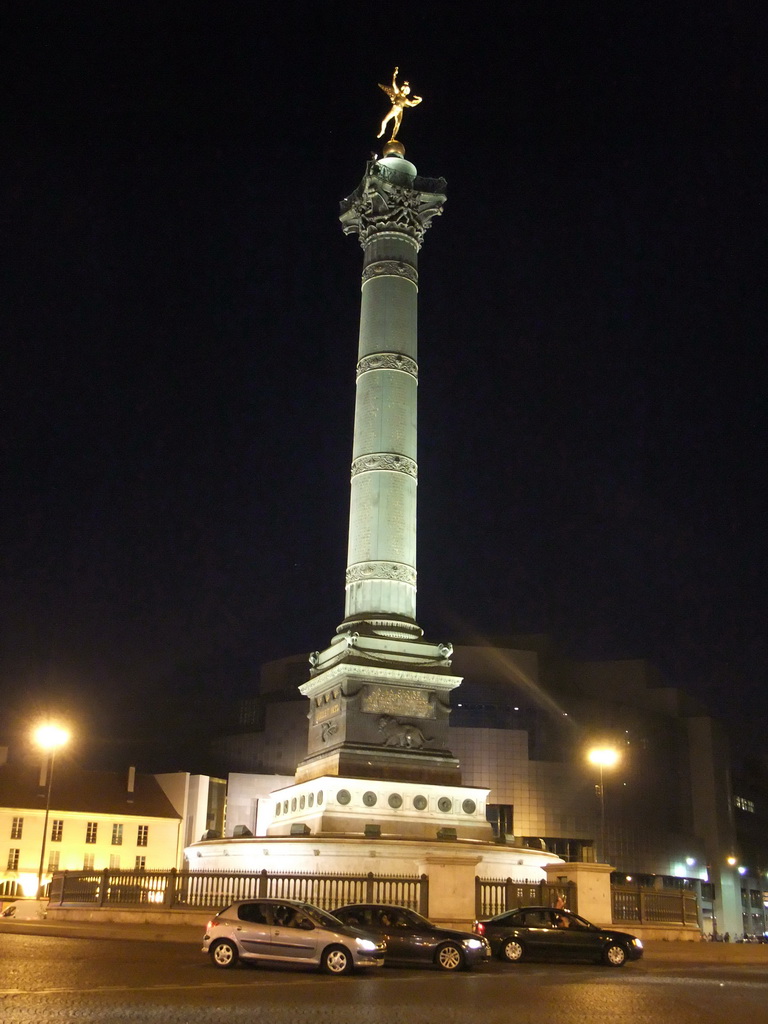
(381, 558)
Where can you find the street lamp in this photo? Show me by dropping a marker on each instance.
(603, 757)
(49, 737)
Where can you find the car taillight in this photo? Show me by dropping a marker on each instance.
(479, 928)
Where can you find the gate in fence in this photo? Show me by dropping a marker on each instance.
(495, 896)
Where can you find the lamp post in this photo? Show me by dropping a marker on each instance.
(603, 757)
(49, 737)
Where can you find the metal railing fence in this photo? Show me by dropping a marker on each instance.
(207, 890)
(653, 906)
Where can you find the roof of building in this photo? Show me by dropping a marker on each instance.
(90, 792)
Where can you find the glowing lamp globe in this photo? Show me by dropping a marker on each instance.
(51, 736)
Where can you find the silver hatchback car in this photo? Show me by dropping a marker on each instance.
(289, 931)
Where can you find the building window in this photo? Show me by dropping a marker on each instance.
(114, 861)
(17, 828)
(117, 835)
(142, 835)
(57, 830)
(53, 860)
(741, 802)
(90, 831)
(13, 860)
(88, 861)
(140, 864)
(501, 817)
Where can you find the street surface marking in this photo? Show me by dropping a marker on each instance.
(260, 983)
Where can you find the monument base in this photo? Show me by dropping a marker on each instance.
(451, 867)
(379, 709)
(438, 768)
(337, 806)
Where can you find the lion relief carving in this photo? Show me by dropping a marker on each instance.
(402, 734)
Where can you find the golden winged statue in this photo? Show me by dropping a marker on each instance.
(399, 95)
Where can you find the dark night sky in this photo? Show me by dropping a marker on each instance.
(179, 326)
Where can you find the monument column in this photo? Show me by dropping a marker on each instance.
(379, 693)
(379, 702)
(378, 761)
(389, 211)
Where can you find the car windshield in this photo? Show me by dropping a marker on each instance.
(321, 917)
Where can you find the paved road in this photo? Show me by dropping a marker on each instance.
(47, 978)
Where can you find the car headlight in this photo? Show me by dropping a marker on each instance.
(366, 945)
(638, 943)
(473, 944)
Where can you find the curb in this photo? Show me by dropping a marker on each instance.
(184, 933)
(655, 950)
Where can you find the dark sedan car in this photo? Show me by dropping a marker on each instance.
(412, 939)
(554, 934)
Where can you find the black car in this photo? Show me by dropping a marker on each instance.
(555, 934)
(412, 939)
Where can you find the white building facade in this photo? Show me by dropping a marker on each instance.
(95, 821)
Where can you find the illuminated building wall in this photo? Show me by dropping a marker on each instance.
(96, 821)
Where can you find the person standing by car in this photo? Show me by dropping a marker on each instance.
(561, 920)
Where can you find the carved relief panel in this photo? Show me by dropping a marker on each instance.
(398, 700)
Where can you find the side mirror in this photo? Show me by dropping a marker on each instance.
(306, 925)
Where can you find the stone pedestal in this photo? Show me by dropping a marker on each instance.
(387, 721)
(594, 888)
(452, 888)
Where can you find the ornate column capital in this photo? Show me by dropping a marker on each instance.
(383, 203)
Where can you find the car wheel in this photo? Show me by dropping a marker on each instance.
(615, 955)
(224, 953)
(512, 951)
(449, 957)
(336, 960)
